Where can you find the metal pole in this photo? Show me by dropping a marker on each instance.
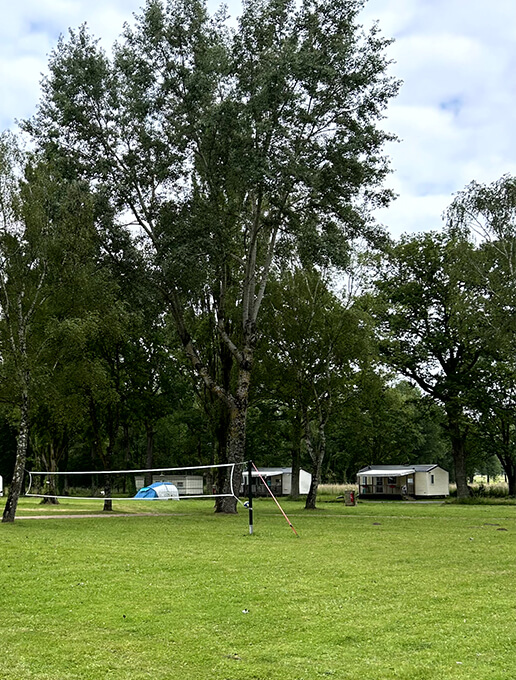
(249, 481)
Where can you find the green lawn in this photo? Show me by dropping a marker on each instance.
(378, 591)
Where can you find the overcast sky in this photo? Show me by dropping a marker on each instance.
(455, 114)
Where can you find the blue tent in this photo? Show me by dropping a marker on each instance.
(158, 490)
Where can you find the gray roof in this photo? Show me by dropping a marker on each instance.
(270, 471)
(393, 468)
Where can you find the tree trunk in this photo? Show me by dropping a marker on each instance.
(108, 485)
(506, 456)
(509, 468)
(296, 460)
(127, 456)
(108, 489)
(317, 454)
(311, 498)
(236, 442)
(458, 441)
(236, 453)
(64, 483)
(22, 440)
(15, 487)
(107, 456)
(511, 480)
(51, 466)
(149, 458)
(461, 479)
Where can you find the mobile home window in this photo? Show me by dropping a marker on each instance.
(432, 479)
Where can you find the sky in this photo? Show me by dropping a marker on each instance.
(454, 116)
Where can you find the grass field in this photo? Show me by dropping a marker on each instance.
(372, 592)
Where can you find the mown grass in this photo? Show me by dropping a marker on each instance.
(376, 591)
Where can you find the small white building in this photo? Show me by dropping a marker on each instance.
(278, 480)
(417, 481)
(187, 485)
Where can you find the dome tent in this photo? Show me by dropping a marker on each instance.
(158, 490)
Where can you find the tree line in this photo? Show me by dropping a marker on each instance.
(189, 270)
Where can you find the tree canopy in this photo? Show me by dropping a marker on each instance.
(231, 151)
(173, 252)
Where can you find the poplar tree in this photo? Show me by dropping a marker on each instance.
(226, 148)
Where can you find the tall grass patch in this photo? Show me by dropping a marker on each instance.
(373, 591)
(326, 490)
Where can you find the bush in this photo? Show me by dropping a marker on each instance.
(484, 500)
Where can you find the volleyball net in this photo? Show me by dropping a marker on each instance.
(166, 483)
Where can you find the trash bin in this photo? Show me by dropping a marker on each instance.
(350, 498)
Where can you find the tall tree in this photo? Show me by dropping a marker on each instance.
(486, 214)
(21, 278)
(315, 345)
(495, 404)
(36, 210)
(228, 148)
(432, 326)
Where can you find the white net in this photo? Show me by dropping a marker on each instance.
(152, 484)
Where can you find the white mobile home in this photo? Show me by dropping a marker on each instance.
(187, 485)
(278, 480)
(417, 481)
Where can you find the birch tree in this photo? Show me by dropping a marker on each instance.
(21, 280)
(23, 277)
(42, 216)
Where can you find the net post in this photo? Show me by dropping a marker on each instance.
(249, 481)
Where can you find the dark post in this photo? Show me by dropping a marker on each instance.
(249, 481)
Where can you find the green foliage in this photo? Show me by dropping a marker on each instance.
(313, 345)
(271, 435)
(386, 424)
(432, 320)
(486, 214)
(432, 327)
(195, 129)
(233, 151)
(7, 448)
(487, 211)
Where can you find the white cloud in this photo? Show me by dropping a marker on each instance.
(415, 213)
(29, 32)
(454, 114)
(20, 85)
(455, 111)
